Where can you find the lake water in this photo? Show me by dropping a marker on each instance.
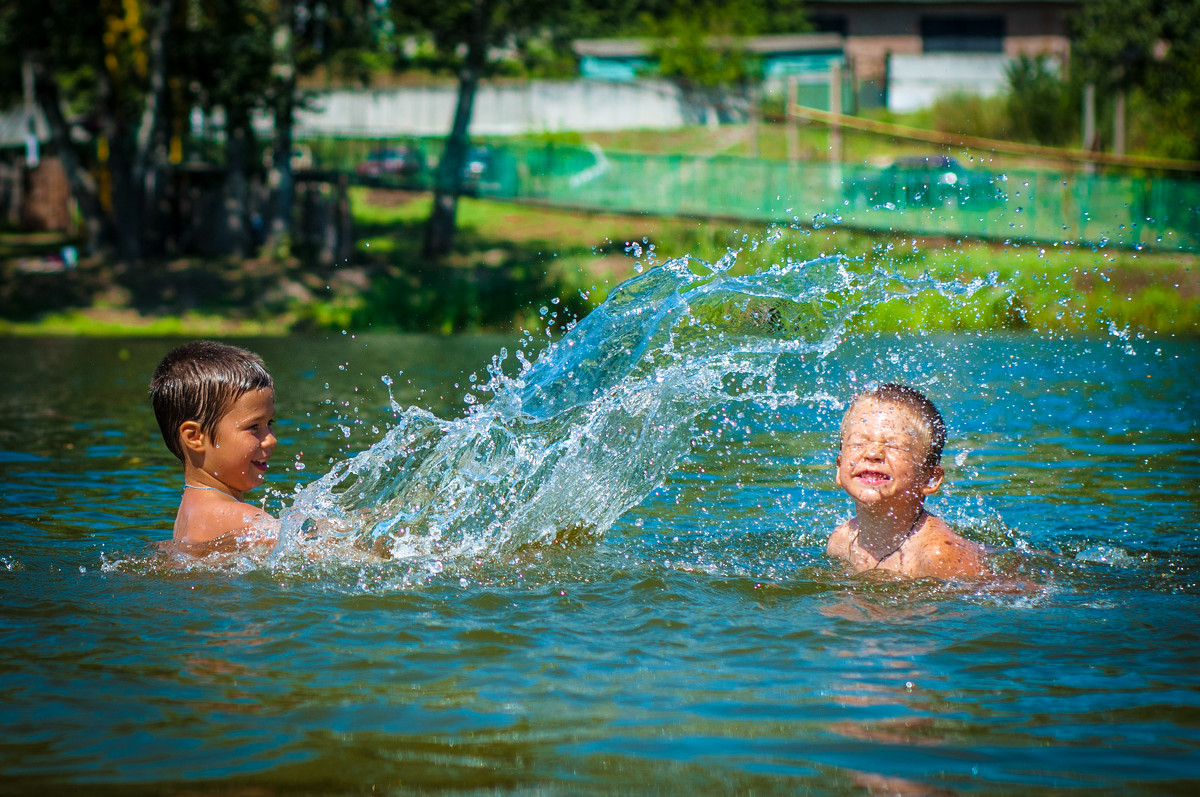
(686, 634)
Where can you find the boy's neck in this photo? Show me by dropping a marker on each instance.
(881, 533)
(201, 480)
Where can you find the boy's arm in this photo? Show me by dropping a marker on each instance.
(951, 557)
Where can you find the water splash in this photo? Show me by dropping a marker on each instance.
(594, 424)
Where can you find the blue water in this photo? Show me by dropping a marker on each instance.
(605, 572)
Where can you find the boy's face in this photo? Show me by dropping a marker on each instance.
(882, 456)
(242, 442)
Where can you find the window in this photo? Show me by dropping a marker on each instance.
(962, 34)
(828, 23)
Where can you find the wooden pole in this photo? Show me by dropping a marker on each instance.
(793, 134)
(1119, 123)
(835, 129)
(1089, 122)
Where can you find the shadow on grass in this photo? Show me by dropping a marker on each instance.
(485, 283)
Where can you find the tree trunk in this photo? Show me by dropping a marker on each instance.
(127, 194)
(440, 231)
(150, 155)
(235, 225)
(281, 179)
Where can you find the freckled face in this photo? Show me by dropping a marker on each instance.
(882, 455)
(243, 441)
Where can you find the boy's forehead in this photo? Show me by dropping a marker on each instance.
(874, 412)
(259, 400)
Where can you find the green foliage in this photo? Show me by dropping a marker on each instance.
(1042, 107)
(1150, 47)
(702, 44)
(229, 58)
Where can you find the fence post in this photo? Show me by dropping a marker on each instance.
(835, 127)
(1089, 123)
(793, 133)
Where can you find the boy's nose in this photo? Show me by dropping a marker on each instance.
(874, 450)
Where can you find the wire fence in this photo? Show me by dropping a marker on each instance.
(925, 196)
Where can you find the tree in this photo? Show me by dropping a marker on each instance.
(702, 47)
(471, 38)
(229, 52)
(111, 58)
(1042, 107)
(1151, 47)
(338, 34)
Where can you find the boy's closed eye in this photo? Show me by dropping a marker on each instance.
(858, 444)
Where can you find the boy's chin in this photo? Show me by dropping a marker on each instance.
(878, 502)
(872, 492)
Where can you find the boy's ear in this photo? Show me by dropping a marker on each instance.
(936, 474)
(191, 436)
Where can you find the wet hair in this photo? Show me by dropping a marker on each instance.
(200, 382)
(933, 426)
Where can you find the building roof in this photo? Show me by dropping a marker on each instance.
(14, 126)
(763, 45)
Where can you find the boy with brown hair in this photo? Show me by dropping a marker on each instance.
(215, 406)
(890, 459)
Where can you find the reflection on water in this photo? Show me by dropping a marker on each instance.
(691, 636)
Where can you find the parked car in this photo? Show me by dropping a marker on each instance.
(929, 181)
(392, 162)
(484, 170)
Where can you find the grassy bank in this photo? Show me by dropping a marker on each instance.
(511, 259)
(532, 254)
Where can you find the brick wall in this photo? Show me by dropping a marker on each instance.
(47, 204)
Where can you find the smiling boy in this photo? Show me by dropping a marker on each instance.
(215, 406)
(891, 448)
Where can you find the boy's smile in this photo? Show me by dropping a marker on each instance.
(872, 477)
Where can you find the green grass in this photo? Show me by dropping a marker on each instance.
(92, 322)
(554, 253)
(511, 259)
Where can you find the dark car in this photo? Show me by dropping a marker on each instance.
(392, 161)
(486, 170)
(930, 181)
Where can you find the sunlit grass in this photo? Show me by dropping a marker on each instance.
(110, 323)
(512, 258)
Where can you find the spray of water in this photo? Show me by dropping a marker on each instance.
(595, 423)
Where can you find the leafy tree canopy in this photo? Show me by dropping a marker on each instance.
(1149, 46)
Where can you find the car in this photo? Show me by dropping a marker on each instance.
(398, 161)
(483, 170)
(929, 181)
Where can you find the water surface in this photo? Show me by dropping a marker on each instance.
(698, 640)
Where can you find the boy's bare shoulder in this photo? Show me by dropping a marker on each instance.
(839, 540)
(937, 551)
(204, 519)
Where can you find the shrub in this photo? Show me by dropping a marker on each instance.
(1042, 107)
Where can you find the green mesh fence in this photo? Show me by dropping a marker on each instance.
(1016, 205)
(934, 196)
